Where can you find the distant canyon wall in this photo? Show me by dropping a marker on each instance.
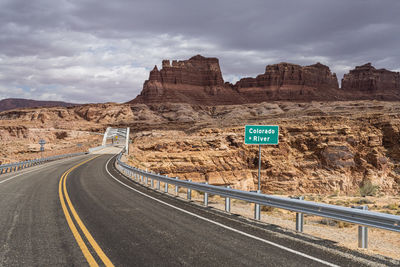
(198, 80)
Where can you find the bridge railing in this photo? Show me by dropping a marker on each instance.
(97, 148)
(12, 167)
(354, 215)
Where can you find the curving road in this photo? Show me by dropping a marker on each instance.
(82, 211)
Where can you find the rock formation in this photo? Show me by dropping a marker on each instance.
(324, 147)
(285, 81)
(366, 82)
(14, 103)
(196, 81)
(199, 81)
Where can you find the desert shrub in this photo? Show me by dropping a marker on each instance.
(392, 206)
(340, 202)
(61, 135)
(344, 224)
(330, 222)
(362, 201)
(368, 189)
(327, 221)
(267, 208)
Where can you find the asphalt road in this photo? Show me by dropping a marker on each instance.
(52, 215)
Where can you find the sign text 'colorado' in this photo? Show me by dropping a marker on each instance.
(261, 135)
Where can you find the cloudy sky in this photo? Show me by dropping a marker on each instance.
(98, 51)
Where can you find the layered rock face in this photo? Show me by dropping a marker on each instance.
(65, 129)
(368, 82)
(324, 147)
(196, 81)
(199, 81)
(285, 81)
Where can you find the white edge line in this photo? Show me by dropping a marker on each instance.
(40, 167)
(223, 225)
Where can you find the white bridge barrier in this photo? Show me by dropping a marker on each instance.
(355, 215)
(119, 135)
(97, 148)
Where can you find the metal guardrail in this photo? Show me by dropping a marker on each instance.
(352, 215)
(12, 167)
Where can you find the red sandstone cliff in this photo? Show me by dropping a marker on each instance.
(366, 82)
(285, 81)
(199, 81)
(196, 81)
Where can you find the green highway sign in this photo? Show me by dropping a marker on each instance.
(261, 135)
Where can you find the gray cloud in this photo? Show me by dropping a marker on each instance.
(92, 51)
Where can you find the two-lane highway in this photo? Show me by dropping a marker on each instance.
(133, 229)
(33, 230)
(82, 211)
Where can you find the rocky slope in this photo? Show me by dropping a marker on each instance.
(325, 147)
(15, 103)
(65, 130)
(199, 81)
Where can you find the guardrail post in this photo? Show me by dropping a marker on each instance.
(206, 198)
(158, 184)
(166, 186)
(257, 209)
(176, 186)
(152, 182)
(299, 219)
(228, 202)
(189, 192)
(362, 232)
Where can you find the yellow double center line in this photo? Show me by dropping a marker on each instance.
(62, 190)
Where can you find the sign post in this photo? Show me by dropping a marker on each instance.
(261, 135)
(42, 142)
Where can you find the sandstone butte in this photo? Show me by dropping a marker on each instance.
(198, 80)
